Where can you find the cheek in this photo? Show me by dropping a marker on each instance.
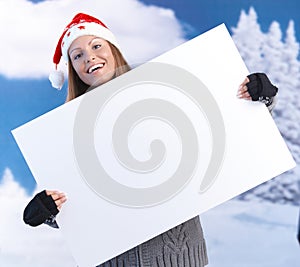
(76, 66)
(79, 69)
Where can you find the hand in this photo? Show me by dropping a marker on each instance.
(243, 90)
(59, 198)
(43, 206)
(257, 86)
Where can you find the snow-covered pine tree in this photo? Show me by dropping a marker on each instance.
(273, 60)
(291, 55)
(249, 39)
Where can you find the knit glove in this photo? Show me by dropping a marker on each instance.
(260, 87)
(40, 209)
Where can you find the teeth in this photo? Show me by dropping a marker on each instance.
(93, 68)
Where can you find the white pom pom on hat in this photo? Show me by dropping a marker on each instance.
(81, 25)
(57, 79)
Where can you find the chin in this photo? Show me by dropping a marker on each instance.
(99, 82)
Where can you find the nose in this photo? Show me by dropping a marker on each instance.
(90, 57)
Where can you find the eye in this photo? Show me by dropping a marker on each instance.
(97, 46)
(77, 56)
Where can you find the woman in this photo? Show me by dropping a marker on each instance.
(94, 58)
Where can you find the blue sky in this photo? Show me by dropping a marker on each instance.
(20, 102)
(22, 99)
(203, 15)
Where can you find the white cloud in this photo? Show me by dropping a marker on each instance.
(22, 245)
(29, 32)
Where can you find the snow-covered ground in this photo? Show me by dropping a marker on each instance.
(247, 234)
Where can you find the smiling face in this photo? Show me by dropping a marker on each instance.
(92, 59)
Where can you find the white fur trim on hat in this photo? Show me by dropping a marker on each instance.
(82, 29)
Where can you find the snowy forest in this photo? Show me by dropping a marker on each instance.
(276, 54)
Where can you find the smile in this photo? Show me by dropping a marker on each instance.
(95, 67)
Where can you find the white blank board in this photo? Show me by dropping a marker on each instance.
(153, 148)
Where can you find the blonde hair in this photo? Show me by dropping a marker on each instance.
(77, 87)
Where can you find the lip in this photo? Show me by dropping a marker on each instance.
(95, 67)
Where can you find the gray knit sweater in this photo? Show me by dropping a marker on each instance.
(181, 246)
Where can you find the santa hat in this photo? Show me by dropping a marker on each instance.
(81, 24)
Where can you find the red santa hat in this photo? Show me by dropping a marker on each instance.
(81, 24)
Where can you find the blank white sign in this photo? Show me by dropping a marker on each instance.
(153, 148)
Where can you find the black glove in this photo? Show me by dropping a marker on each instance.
(260, 86)
(39, 209)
